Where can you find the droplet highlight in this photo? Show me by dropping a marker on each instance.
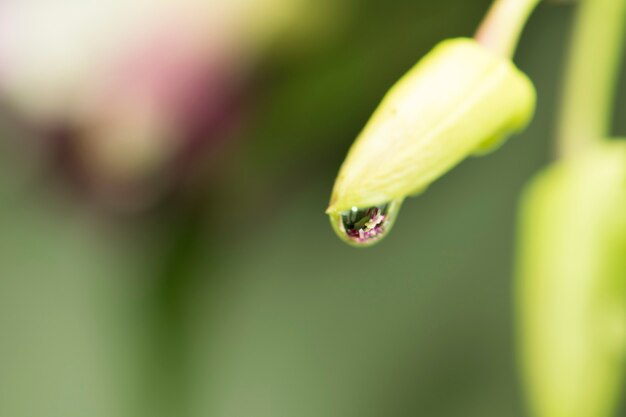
(365, 226)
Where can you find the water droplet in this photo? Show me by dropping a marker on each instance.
(365, 226)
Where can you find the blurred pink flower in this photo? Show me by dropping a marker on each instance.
(132, 87)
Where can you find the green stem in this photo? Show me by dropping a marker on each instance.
(592, 72)
(503, 24)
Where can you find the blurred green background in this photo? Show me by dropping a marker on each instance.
(235, 299)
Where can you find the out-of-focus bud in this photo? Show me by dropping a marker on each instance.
(572, 285)
(460, 99)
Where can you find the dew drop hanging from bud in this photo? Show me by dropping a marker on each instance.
(365, 226)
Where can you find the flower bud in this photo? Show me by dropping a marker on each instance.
(572, 285)
(460, 99)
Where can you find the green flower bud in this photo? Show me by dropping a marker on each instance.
(460, 99)
(572, 284)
